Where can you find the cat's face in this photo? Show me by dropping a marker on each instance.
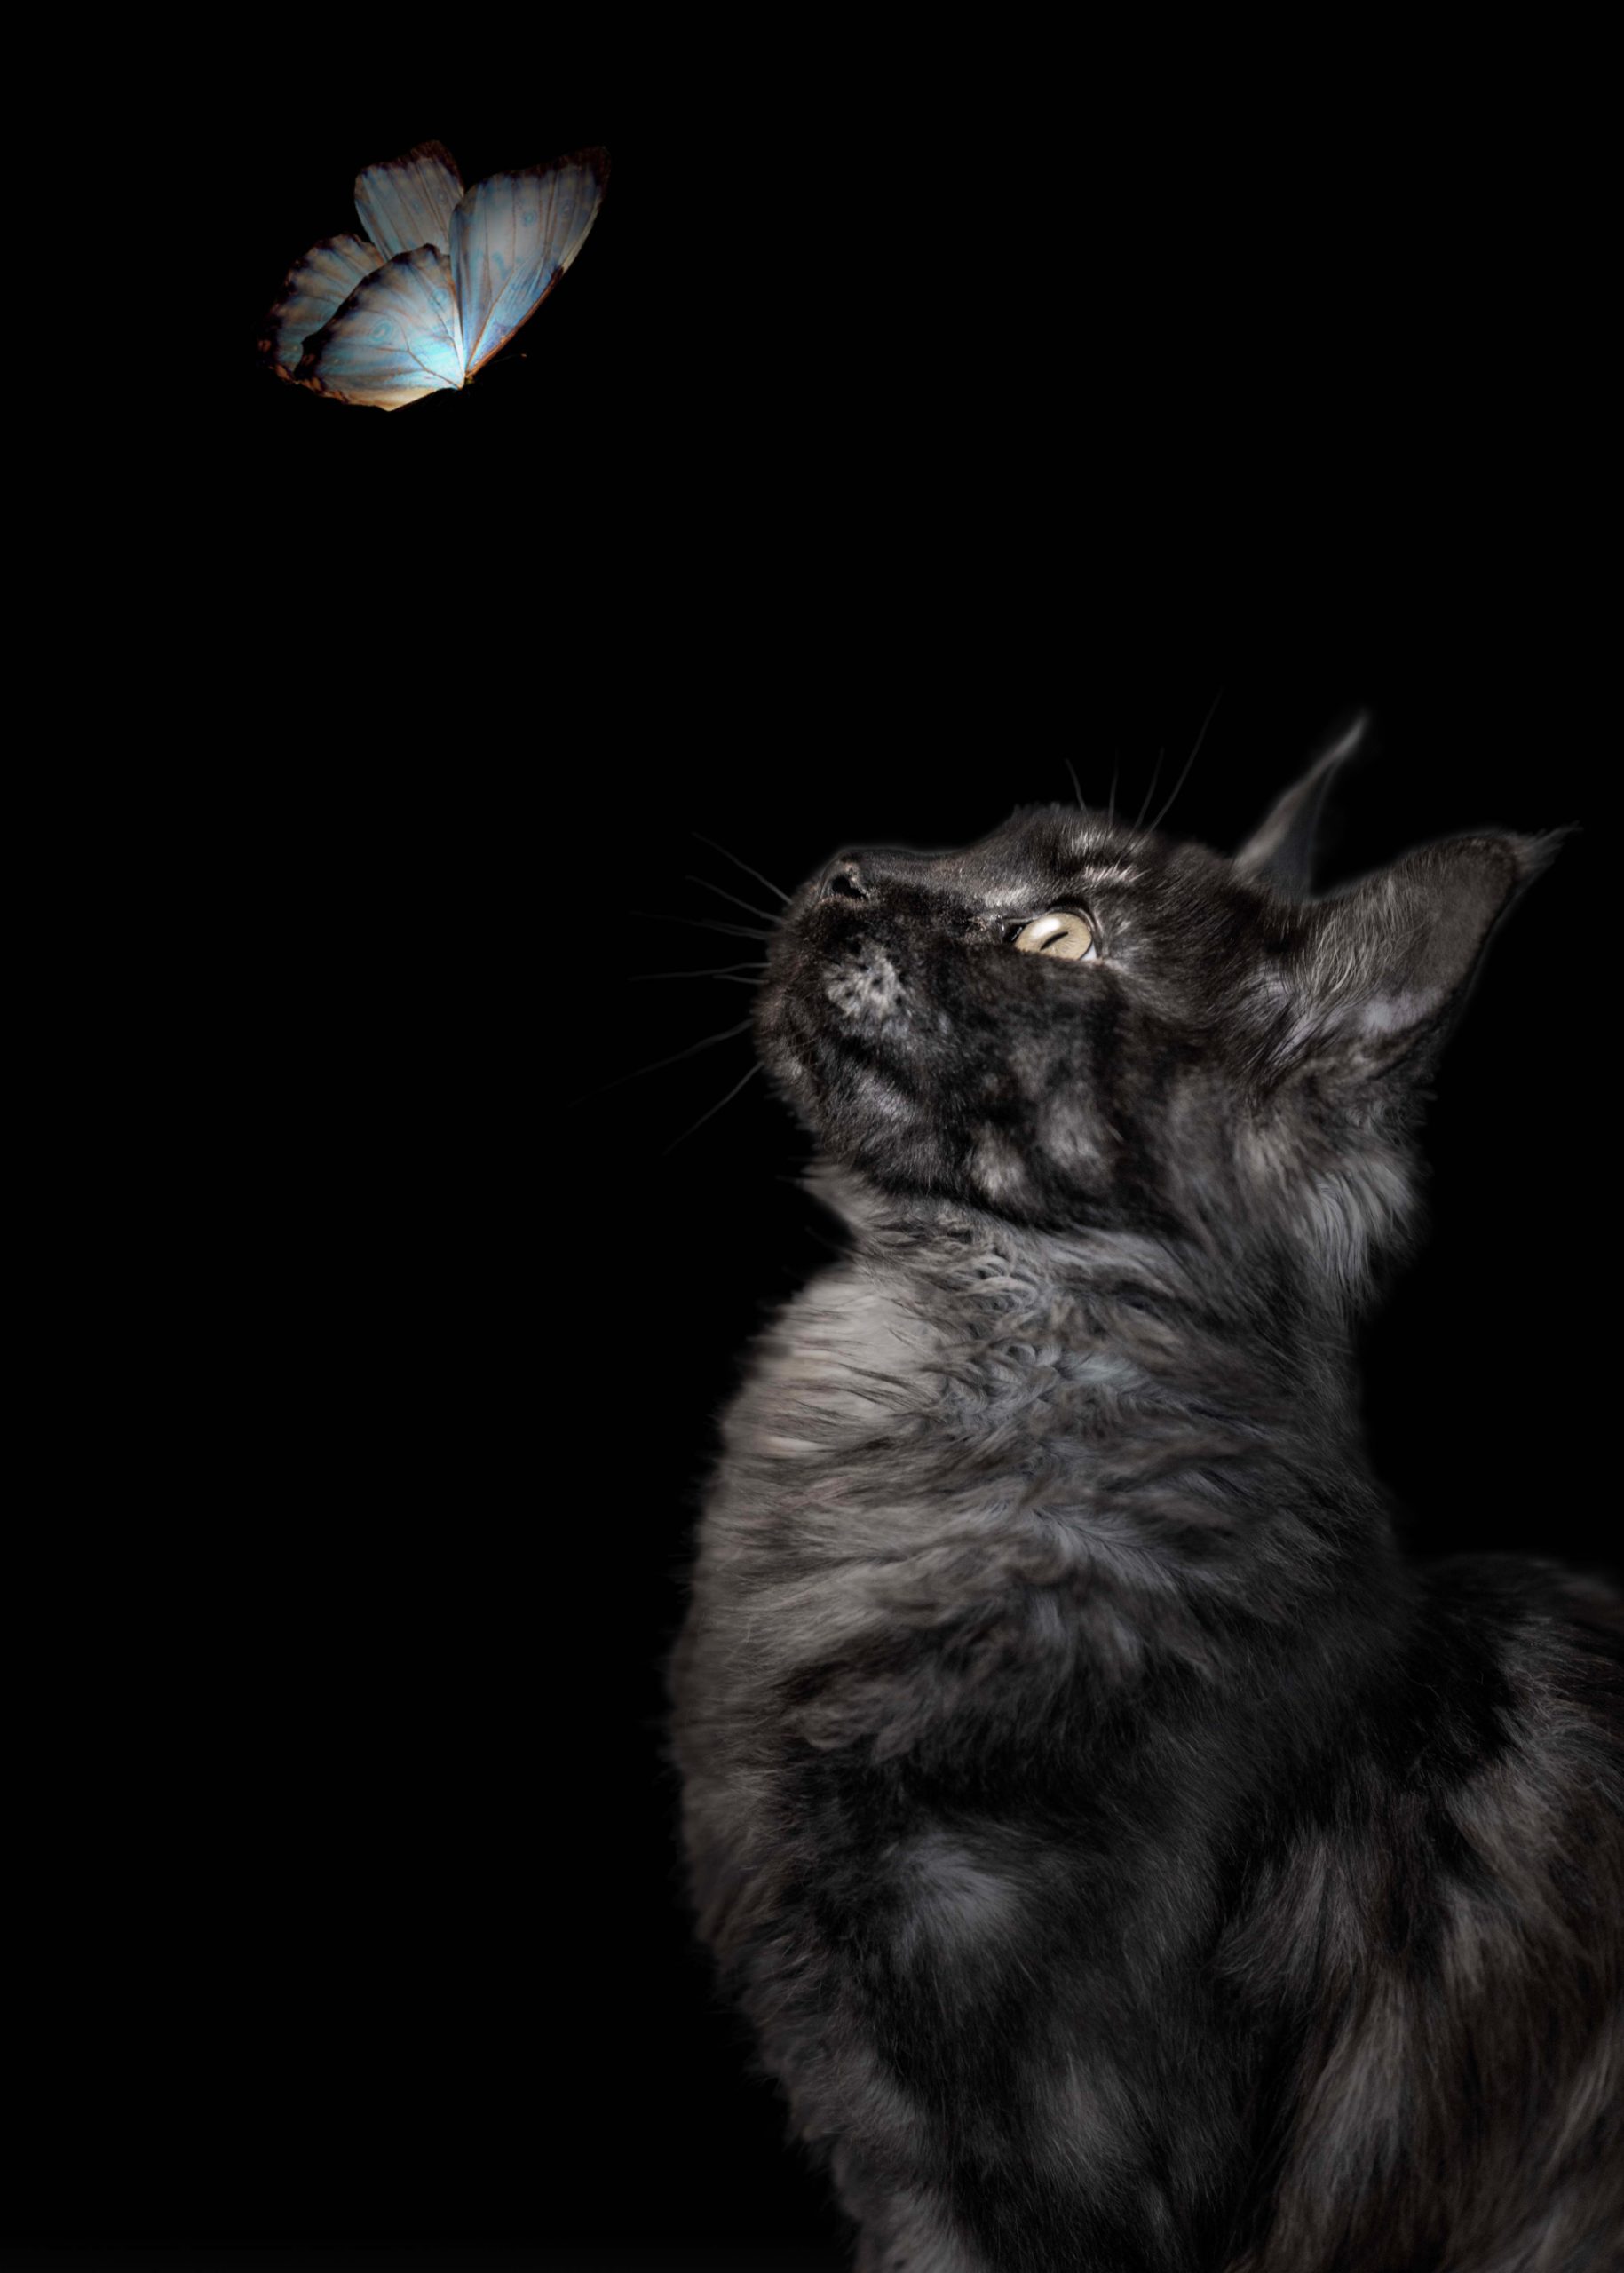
(1059, 1024)
(1075, 1024)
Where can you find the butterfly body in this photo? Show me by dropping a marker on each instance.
(440, 279)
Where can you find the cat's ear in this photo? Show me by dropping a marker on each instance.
(1279, 852)
(1381, 971)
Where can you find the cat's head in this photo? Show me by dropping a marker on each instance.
(1080, 1023)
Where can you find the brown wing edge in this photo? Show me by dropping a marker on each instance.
(264, 347)
(594, 156)
(418, 150)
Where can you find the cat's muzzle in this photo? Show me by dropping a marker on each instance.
(864, 987)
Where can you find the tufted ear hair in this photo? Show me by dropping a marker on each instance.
(1280, 850)
(1380, 971)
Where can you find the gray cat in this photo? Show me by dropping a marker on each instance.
(1126, 1858)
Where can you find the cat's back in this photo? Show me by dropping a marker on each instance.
(1524, 1750)
(1458, 1877)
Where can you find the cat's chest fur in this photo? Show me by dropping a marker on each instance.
(918, 1443)
(932, 1535)
(870, 1365)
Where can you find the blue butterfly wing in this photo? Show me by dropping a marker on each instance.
(315, 289)
(409, 202)
(396, 337)
(512, 237)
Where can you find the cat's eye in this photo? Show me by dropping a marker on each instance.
(1065, 932)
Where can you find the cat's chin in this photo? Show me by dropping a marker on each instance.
(882, 1182)
(876, 1139)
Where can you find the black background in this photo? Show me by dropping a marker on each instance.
(887, 447)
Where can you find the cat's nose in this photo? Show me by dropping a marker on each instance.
(843, 878)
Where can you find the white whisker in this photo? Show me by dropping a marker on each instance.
(707, 1043)
(745, 865)
(766, 914)
(721, 970)
(716, 1108)
(1190, 761)
(699, 924)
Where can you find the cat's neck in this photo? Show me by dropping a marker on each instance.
(1119, 1322)
(960, 1412)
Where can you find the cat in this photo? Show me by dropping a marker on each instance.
(1124, 1857)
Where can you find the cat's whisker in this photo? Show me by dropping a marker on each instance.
(707, 1041)
(1150, 793)
(728, 977)
(745, 865)
(716, 1108)
(1076, 785)
(699, 924)
(1190, 761)
(721, 970)
(766, 914)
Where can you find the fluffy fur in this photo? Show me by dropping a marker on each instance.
(1127, 1859)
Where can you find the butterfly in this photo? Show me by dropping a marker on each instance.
(442, 278)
